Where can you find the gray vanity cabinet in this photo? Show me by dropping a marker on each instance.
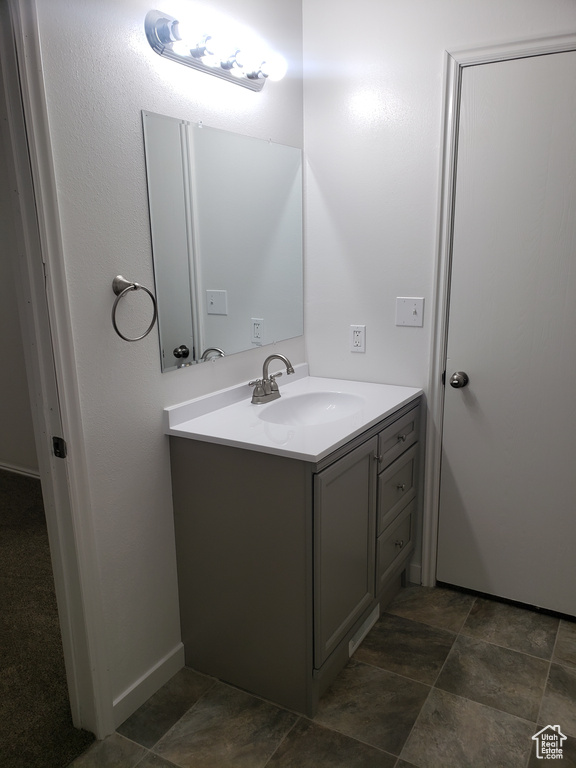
(344, 546)
(282, 562)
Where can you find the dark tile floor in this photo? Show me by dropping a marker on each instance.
(443, 680)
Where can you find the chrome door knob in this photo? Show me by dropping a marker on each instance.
(459, 380)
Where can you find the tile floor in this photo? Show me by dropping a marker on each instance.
(443, 680)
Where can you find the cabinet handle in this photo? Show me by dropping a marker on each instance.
(399, 543)
(378, 457)
(401, 486)
(401, 438)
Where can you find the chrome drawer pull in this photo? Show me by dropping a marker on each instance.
(401, 438)
(399, 543)
(401, 487)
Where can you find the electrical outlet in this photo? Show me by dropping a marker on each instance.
(257, 330)
(357, 338)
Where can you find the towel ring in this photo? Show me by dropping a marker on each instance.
(121, 287)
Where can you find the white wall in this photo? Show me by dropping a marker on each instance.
(99, 74)
(373, 100)
(17, 447)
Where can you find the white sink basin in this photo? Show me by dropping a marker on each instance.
(313, 417)
(311, 408)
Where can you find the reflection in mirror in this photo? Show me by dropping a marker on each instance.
(226, 226)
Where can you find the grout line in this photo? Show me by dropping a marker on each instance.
(415, 722)
(283, 739)
(506, 647)
(487, 706)
(392, 672)
(353, 738)
(548, 674)
(175, 723)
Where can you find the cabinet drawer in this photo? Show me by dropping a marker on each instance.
(397, 486)
(395, 544)
(400, 435)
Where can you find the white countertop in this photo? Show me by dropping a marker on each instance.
(228, 417)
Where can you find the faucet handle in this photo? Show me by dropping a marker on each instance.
(273, 385)
(259, 392)
(259, 388)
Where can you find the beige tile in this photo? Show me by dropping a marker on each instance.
(452, 732)
(154, 718)
(559, 702)
(439, 607)
(227, 727)
(372, 705)
(309, 745)
(512, 627)
(153, 761)
(498, 677)
(406, 647)
(113, 752)
(565, 650)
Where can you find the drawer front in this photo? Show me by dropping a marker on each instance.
(397, 486)
(395, 544)
(399, 436)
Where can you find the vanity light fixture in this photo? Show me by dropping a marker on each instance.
(211, 55)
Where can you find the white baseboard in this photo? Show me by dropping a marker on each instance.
(415, 573)
(147, 685)
(20, 470)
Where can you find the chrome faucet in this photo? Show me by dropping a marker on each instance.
(266, 388)
(212, 352)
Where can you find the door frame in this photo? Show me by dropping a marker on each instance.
(454, 64)
(44, 310)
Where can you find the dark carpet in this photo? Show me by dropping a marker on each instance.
(36, 728)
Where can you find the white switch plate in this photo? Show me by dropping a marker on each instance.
(257, 330)
(409, 311)
(357, 338)
(217, 302)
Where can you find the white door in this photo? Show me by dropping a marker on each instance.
(507, 522)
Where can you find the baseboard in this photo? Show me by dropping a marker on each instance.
(20, 470)
(147, 685)
(415, 573)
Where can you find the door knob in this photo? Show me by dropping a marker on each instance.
(181, 351)
(459, 380)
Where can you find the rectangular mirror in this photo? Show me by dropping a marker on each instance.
(226, 226)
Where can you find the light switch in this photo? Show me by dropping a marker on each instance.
(217, 302)
(409, 311)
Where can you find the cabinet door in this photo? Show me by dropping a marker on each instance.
(344, 546)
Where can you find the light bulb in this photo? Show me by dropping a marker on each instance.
(181, 48)
(233, 63)
(220, 47)
(274, 67)
(198, 51)
(251, 63)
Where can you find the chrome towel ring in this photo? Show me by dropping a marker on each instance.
(121, 287)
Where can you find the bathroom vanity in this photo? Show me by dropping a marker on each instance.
(290, 544)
